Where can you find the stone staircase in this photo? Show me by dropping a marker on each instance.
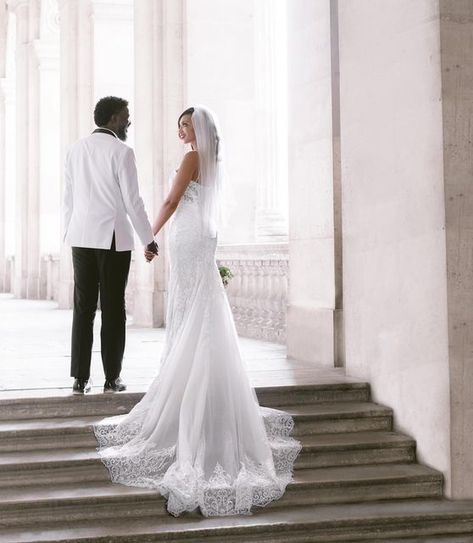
(355, 479)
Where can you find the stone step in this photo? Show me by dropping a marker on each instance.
(339, 417)
(279, 396)
(52, 502)
(41, 467)
(68, 405)
(317, 418)
(81, 464)
(431, 539)
(47, 433)
(363, 483)
(355, 448)
(397, 521)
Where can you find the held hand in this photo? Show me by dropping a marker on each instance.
(149, 255)
(151, 250)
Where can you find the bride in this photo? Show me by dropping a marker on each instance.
(198, 436)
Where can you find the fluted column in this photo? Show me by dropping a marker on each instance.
(271, 105)
(76, 103)
(158, 102)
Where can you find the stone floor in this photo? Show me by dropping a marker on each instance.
(35, 353)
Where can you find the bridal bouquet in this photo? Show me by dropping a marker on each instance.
(225, 274)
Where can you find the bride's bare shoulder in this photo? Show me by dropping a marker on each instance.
(191, 156)
(189, 164)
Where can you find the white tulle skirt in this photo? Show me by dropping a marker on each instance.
(198, 436)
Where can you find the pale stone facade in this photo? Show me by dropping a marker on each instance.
(394, 267)
(370, 165)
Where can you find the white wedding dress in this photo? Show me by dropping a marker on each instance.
(198, 436)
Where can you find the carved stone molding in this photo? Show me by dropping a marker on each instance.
(112, 9)
(50, 16)
(15, 5)
(47, 53)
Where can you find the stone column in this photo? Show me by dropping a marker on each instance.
(9, 157)
(21, 10)
(456, 46)
(26, 282)
(159, 76)
(311, 300)
(271, 107)
(113, 49)
(2, 186)
(3, 50)
(33, 202)
(50, 171)
(76, 65)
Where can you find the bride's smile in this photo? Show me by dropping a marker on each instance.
(186, 130)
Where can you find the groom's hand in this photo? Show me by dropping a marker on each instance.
(151, 250)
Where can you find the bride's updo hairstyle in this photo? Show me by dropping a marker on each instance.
(208, 143)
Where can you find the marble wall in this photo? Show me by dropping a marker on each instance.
(394, 256)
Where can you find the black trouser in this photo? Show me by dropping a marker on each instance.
(107, 271)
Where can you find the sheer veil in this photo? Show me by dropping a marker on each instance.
(209, 147)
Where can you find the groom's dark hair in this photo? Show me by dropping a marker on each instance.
(106, 107)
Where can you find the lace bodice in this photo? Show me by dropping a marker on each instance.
(192, 192)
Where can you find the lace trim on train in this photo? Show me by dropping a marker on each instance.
(134, 463)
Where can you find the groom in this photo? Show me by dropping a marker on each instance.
(100, 194)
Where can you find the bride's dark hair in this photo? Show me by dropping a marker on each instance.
(188, 111)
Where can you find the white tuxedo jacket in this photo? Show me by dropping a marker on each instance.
(101, 193)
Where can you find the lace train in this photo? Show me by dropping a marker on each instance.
(198, 436)
(185, 486)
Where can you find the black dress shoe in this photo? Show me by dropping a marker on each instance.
(114, 385)
(80, 386)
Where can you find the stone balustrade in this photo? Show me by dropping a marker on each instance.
(257, 292)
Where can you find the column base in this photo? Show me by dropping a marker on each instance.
(66, 295)
(310, 335)
(32, 288)
(149, 308)
(19, 287)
